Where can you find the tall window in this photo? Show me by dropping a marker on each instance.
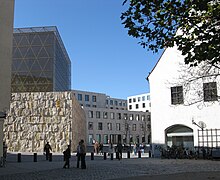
(118, 115)
(143, 98)
(134, 127)
(131, 117)
(109, 126)
(210, 91)
(98, 137)
(137, 106)
(79, 97)
(98, 114)
(129, 100)
(125, 116)
(143, 105)
(139, 99)
(112, 115)
(90, 114)
(99, 126)
(86, 97)
(141, 127)
(134, 99)
(111, 102)
(90, 138)
(93, 98)
(116, 103)
(118, 126)
(130, 106)
(105, 139)
(105, 115)
(177, 95)
(137, 117)
(90, 125)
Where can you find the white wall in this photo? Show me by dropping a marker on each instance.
(167, 73)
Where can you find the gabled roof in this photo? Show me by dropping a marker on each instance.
(155, 64)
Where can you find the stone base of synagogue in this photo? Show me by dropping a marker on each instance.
(37, 118)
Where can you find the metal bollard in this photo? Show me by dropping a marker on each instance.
(149, 154)
(139, 154)
(128, 154)
(117, 155)
(104, 155)
(112, 156)
(50, 157)
(92, 155)
(35, 157)
(19, 157)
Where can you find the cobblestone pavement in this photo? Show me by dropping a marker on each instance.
(100, 169)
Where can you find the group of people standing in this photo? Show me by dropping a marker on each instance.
(81, 154)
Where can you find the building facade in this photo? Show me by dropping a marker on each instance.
(40, 62)
(140, 102)
(184, 101)
(109, 120)
(36, 118)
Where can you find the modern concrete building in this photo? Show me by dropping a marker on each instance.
(140, 102)
(6, 33)
(40, 61)
(109, 119)
(184, 102)
(37, 117)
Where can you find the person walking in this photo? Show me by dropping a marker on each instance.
(67, 156)
(47, 149)
(83, 154)
(110, 148)
(78, 154)
(119, 149)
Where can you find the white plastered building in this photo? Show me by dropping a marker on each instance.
(180, 95)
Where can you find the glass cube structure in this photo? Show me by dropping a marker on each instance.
(40, 61)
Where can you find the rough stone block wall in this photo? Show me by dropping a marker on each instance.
(35, 118)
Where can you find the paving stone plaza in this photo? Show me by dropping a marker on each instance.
(99, 169)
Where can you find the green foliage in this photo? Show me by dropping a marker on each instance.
(193, 25)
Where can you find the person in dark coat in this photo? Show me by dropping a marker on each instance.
(119, 149)
(47, 149)
(78, 151)
(67, 156)
(83, 154)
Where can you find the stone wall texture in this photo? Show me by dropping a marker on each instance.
(37, 118)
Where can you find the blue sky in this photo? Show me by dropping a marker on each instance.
(104, 58)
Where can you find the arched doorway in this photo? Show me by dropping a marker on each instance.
(179, 135)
